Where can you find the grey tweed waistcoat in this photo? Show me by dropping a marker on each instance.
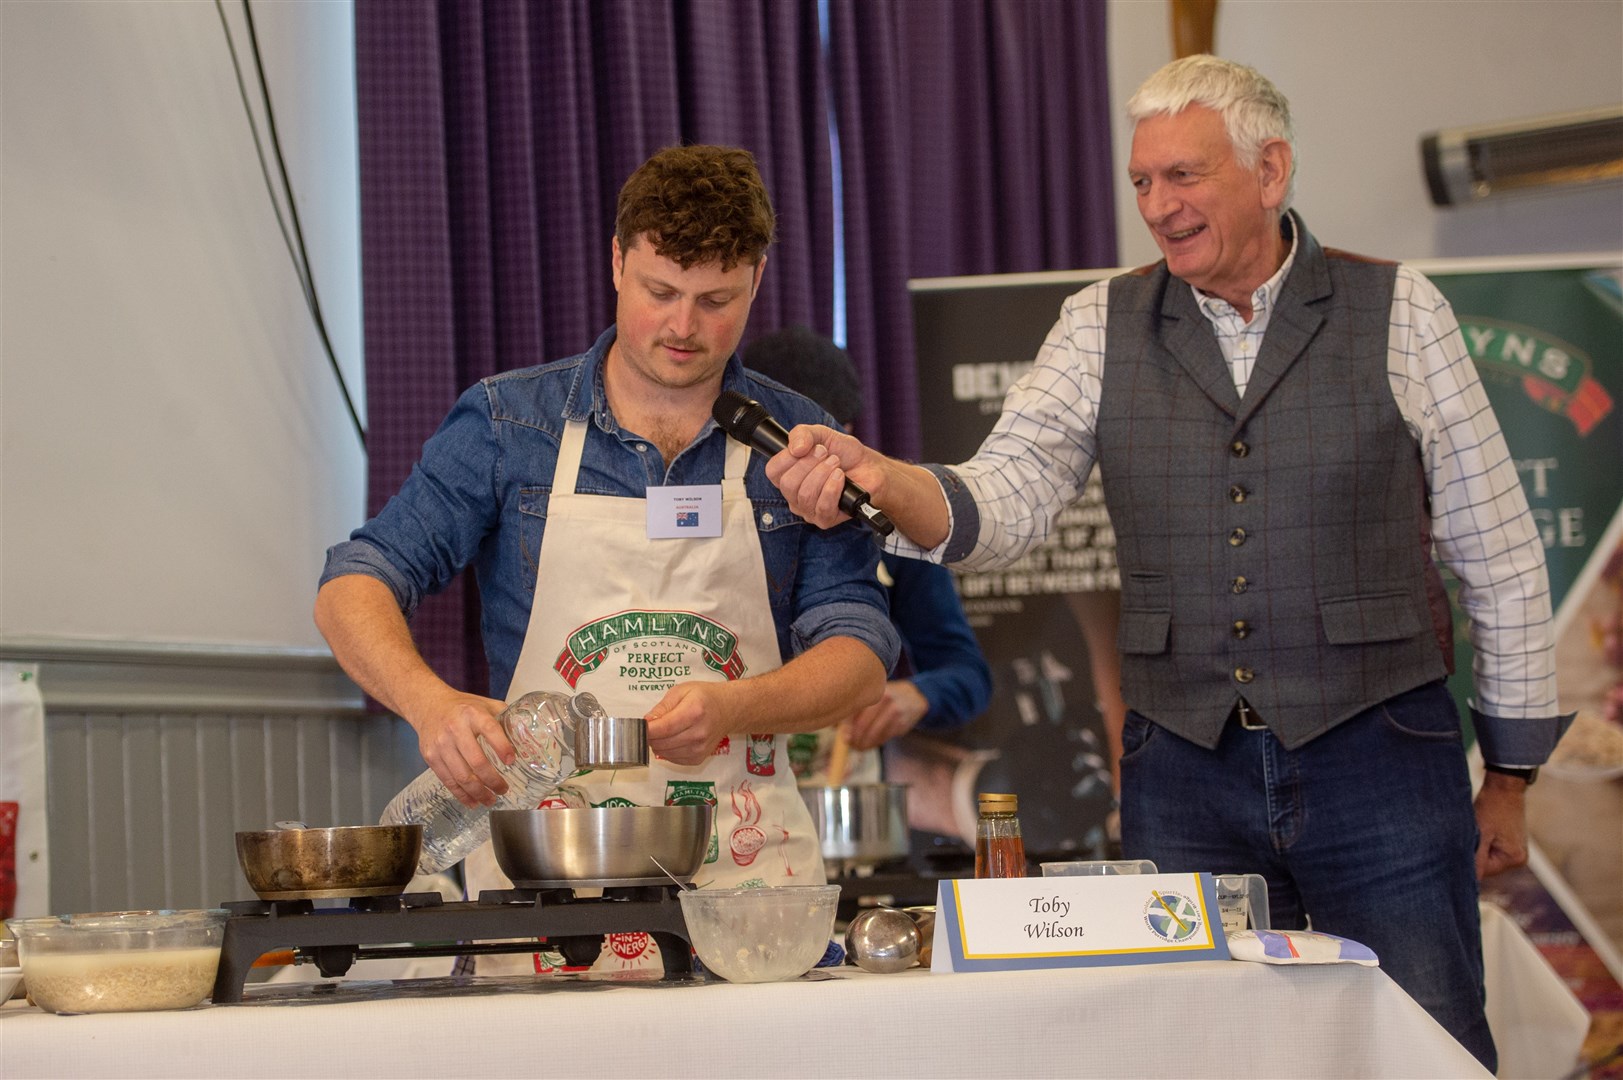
(1271, 546)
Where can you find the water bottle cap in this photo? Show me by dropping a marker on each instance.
(584, 705)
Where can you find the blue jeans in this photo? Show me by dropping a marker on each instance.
(1367, 829)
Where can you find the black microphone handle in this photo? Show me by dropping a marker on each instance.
(768, 436)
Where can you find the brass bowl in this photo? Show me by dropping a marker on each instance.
(313, 864)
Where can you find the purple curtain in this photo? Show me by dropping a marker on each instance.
(977, 141)
(494, 137)
(493, 140)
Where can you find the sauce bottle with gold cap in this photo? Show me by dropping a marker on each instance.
(999, 850)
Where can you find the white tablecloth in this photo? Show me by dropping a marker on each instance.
(1208, 1019)
(1538, 1024)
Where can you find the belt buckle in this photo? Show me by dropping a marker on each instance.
(1247, 717)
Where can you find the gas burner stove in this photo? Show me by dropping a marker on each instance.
(372, 927)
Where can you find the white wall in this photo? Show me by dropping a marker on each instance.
(1367, 80)
(174, 456)
(174, 453)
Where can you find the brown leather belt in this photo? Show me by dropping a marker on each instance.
(1245, 716)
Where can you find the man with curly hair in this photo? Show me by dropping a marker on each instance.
(624, 546)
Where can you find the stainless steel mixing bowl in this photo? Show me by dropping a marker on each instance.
(600, 845)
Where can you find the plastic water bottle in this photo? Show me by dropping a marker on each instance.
(541, 726)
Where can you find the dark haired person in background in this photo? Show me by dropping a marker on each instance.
(1278, 426)
(947, 681)
(624, 545)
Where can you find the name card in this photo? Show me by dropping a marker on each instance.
(1005, 924)
(684, 511)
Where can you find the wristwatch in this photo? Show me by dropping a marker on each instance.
(1529, 775)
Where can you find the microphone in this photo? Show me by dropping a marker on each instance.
(750, 423)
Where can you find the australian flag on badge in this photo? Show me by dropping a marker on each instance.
(687, 519)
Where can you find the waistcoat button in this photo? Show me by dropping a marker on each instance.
(1237, 586)
(1241, 628)
(1237, 494)
(1239, 448)
(1244, 674)
(1236, 538)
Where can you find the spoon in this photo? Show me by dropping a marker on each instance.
(839, 755)
(673, 877)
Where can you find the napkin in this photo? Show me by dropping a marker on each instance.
(1298, 947)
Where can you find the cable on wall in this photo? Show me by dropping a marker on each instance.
(293, 240)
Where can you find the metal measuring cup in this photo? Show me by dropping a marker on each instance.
(610, 742)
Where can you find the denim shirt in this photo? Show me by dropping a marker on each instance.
(939, 648)
(479, 496)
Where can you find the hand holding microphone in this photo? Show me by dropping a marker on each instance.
(750, 423)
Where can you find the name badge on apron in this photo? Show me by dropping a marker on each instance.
(684, 511)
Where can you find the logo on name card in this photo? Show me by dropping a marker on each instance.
(687, 519)
(1172, 916)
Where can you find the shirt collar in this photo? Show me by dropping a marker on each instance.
(586, 398)
(1215, 308)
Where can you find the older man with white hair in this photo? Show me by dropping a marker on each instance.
(1284, 432)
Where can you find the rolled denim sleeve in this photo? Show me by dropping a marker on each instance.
(363, 557)
(848, 620)
(434, 526)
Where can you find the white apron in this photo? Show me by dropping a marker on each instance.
(627, 618)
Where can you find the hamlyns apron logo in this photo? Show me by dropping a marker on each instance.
(590, 643)
(1554, 375)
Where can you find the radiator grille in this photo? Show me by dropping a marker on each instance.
(144, 807)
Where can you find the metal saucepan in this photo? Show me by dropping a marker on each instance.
(567, 847)
(859, 824)
(311, 864)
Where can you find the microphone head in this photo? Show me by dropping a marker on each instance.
(738, 415)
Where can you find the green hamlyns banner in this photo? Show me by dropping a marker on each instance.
(1548, 344)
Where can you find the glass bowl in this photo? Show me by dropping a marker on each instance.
(120, 961)
(760, 935)
(1098, 868)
